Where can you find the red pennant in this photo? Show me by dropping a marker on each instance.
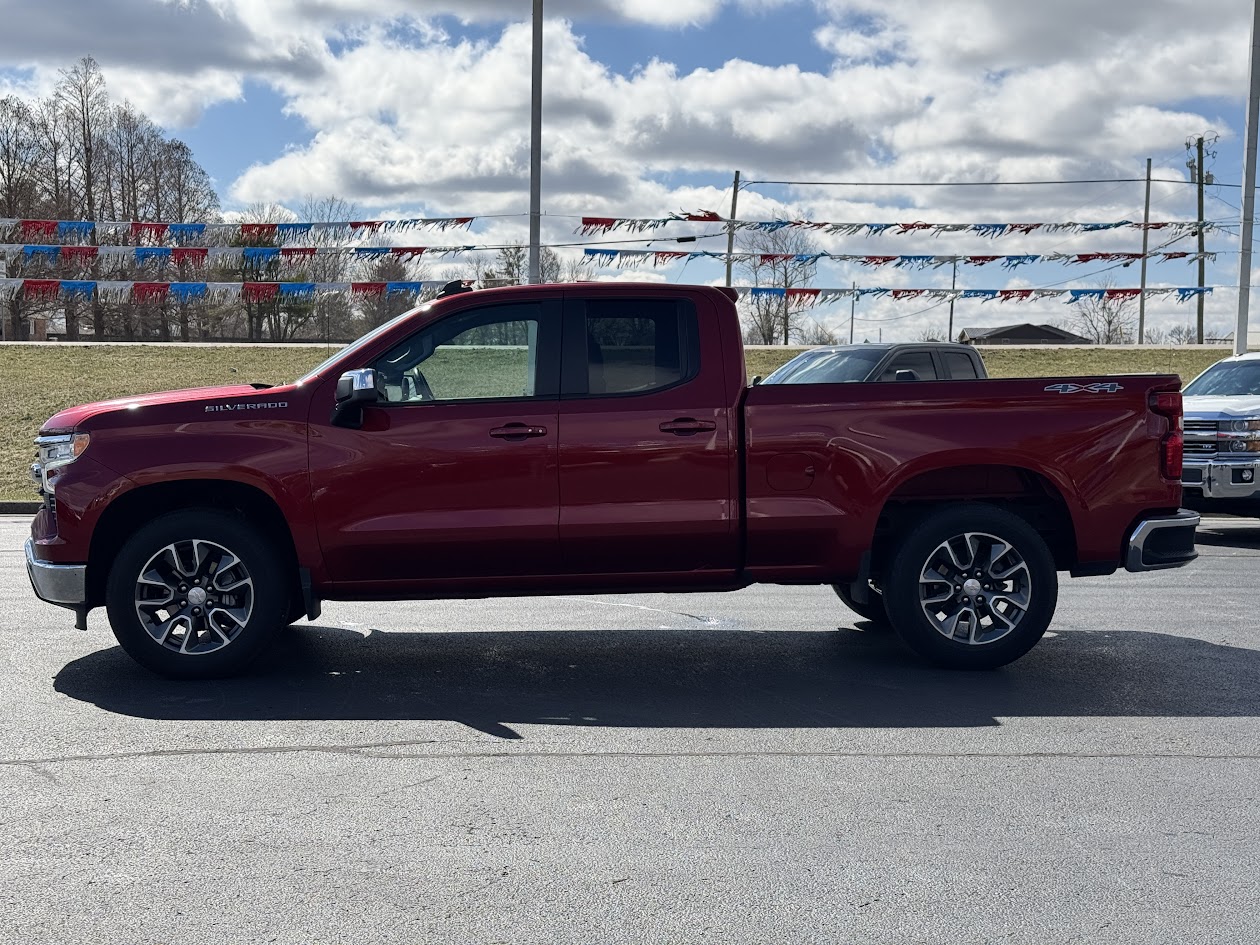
(41, 288)
(803, 293)
(704, 216)
(1017, 295)
(1122, 293)
(906, 293)
(774, 257)
(981, 260)
(408, 250)
(297, 251)
(370, 226)
(33, 228)
(877, 260)
(190, 254)
(367, 288)
(154, 231)
(259, 291)
(667, 256)
(149, 291)
(258, 231)
(1024, 228)
(78, 253)
(593, 225)
(1165, 255)
(911, 227)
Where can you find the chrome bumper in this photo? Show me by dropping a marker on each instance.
(1166, 541)
(1239, 480)
(62, 584)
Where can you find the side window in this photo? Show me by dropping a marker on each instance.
(483, 354)
(918, 361)
(960, 366)
(639, 345)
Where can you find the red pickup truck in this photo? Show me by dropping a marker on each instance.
(598, 438)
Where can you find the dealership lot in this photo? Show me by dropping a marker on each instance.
(743, 767)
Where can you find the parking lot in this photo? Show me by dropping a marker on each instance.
(704, 768)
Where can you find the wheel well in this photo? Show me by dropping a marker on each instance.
(137, 508)
(1024, 492)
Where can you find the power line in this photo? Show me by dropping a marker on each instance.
(975, 183)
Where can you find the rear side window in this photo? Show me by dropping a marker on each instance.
(918, 361)
(634, 346)
(960, 366)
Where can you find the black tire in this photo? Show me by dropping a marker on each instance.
(1005, 618)
(873, 610)
(225, 566)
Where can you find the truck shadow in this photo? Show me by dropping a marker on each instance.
(490, 679)
(1233, 538)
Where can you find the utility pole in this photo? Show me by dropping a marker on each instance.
(730, 229)
(1146, 243)
(1248, 189)
(953, 287)
(535, 149)
(1198, 144)
(852, 311)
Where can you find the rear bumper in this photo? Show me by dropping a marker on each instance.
(62, 584)
(1162, 541)
(1240, 480)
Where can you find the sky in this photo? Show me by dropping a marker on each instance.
(412, 108)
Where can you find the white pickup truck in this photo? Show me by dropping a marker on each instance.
(1222, 431)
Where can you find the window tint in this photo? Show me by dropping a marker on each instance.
(960, 366)
(1227, 379)
(639, 345)
(485, 353)
(918, 361)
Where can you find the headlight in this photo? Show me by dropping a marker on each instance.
(56, 452)
(1240, 426)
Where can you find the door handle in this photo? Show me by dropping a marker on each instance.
(517, 431)
(687, 426)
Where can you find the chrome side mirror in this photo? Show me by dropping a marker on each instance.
(355, 389)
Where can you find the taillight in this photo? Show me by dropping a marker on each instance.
(1167, 403)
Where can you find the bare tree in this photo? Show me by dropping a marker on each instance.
(18, 173)
(780, 259)
(1105, 321)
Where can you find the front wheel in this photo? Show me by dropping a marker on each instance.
(196, 594)
(972, 587)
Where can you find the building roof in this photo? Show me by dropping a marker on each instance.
(1025, 330)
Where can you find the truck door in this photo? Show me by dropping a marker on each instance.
(454, 475)
(646, 452)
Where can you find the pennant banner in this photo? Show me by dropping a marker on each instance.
(12, 230)
(217, 255)
(131, 291)
(1069, 296)
(592, 226)
(629, 258)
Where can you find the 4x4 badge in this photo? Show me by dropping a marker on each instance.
(1110, 387)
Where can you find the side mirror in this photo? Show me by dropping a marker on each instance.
(355, 389)
(756, 380)
(906, 375)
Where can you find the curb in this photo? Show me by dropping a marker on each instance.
(19, 508)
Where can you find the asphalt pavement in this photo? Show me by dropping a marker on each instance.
(760, 766)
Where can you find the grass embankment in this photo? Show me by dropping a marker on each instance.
(39, 381)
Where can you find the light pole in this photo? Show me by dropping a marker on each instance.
(1249, 189)
(535, 148)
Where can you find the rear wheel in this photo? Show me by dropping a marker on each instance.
(196, 594)
(972, 587)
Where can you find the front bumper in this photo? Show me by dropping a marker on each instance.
(62, 584)
(1240, 480)
(1162, 541)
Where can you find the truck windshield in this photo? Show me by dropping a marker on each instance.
(360, 343)
(828, 366)
(1227, 379)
